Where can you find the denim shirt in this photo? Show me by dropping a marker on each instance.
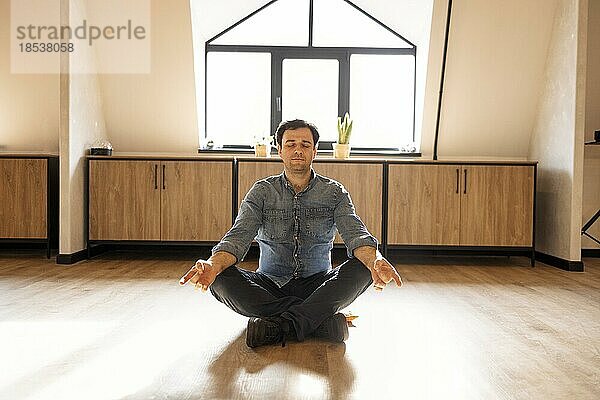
(295, 230)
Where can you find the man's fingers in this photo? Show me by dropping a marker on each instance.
(184, 279)
(203, 282)
(198, 268)
(377, 282)
(398, 280)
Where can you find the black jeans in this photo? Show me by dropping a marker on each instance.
(306, 302)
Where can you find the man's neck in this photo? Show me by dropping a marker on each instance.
(298, 180)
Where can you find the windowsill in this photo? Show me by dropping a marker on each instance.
(357, 152)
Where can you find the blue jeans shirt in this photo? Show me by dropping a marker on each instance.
(295, 231)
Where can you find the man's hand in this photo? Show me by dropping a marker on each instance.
(204, 272)
(202, 275)
(382, 273)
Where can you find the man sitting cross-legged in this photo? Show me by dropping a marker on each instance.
(295, 292)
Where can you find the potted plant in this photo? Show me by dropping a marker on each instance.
(262, 145)
(341, 149)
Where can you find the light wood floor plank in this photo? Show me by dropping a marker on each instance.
(120, 327)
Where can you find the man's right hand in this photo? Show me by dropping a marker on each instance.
(202, 275)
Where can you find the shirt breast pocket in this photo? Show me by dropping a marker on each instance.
(276, 223)
(319, 222)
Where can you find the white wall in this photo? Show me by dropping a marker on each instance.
(28, 102)
(557, 140)
(156, 111)
(82, 122)
(496, 58)
(591, 168)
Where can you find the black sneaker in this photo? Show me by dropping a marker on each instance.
(271, 330)
(334, 328)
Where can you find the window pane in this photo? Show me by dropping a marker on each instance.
(310, 92)
(238, 96)
(338, 24)
(283, 23)
(381, 100)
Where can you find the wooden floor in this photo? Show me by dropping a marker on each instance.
(120, 327)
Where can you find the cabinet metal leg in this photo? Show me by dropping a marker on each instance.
(588, 224)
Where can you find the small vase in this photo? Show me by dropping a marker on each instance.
(341, 150)
(262, 150)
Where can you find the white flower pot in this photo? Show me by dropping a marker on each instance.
(262, 150)
(341, 150)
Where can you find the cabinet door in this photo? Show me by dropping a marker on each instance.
(364, 182)
(497, 206)
(252, 171)
(423, 205)
(23, 198)
(124, 201)
(196, 200)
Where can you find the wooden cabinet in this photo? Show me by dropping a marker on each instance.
(124, 200)
(364, 182)
(196, 200)
(251, 171)
(466, 205)
(438, 206)
(159, 200)
(29, 199)
(23, 196)
(424, 204)
(497, 206)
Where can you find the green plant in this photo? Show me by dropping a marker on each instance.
(344, 129)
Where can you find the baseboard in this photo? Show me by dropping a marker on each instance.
(71, 258)
(95, 250)
(595, 253)
(567, 265)
(22, 245)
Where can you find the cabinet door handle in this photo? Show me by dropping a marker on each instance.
(163, 177)
(457, 179)
(465, 182)
(155, 176)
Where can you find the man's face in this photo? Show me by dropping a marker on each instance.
(297, 149)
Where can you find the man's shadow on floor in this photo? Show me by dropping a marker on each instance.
(240, 372)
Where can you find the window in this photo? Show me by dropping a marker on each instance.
(382, 100)
(328, 57)
(309, 90)
(238, 94)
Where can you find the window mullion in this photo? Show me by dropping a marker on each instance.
(276, 62)
(344, 84)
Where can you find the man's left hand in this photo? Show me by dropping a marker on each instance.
(383, 273)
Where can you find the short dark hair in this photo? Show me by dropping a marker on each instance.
(293, 125)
